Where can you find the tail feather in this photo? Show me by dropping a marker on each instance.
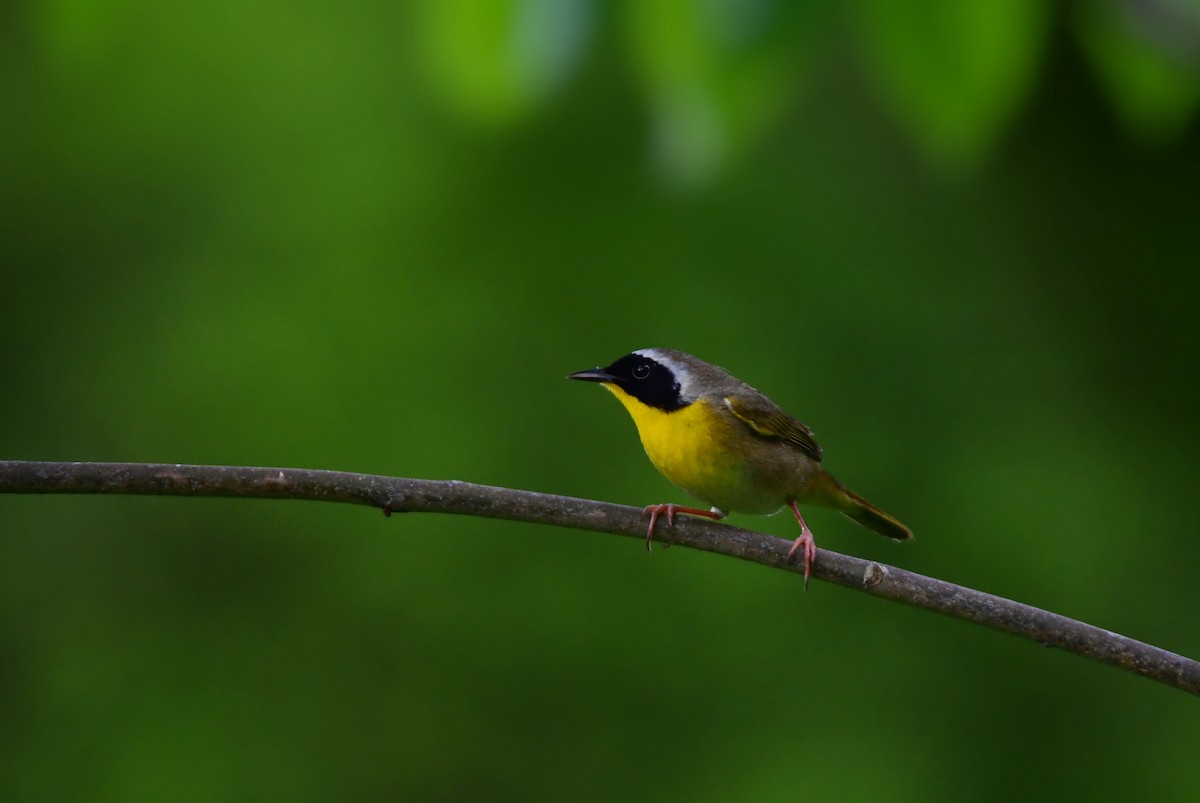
(855, 507)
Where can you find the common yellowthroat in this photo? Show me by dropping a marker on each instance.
(725, 443)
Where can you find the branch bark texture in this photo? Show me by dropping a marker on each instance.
(400, 495)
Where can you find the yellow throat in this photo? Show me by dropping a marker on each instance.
(694, 449)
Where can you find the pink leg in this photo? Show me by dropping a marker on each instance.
(656, 510)
(806, 541)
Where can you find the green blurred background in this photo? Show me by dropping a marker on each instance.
(957, 239)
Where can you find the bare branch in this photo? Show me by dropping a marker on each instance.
(400, 495)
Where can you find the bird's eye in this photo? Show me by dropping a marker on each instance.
(641, 370)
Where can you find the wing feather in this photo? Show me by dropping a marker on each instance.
(770, 421)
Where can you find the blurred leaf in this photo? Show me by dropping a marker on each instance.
(1147, 59)
(495, 61)
(954, 72)
(718, 72)
(76, 32)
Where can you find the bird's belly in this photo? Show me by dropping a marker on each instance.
(689, 447)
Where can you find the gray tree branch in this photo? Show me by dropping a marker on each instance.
(400, 495)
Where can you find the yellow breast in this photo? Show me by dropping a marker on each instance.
(699, 449)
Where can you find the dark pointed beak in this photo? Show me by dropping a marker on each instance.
(594, 375)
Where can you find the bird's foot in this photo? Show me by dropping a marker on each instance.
(807, 543)
(657, 510)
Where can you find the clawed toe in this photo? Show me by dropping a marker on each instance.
(655, 511)
(806, 541)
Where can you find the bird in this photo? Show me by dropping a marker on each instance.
(725, 443)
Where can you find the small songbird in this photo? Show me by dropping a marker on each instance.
(723, 442)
